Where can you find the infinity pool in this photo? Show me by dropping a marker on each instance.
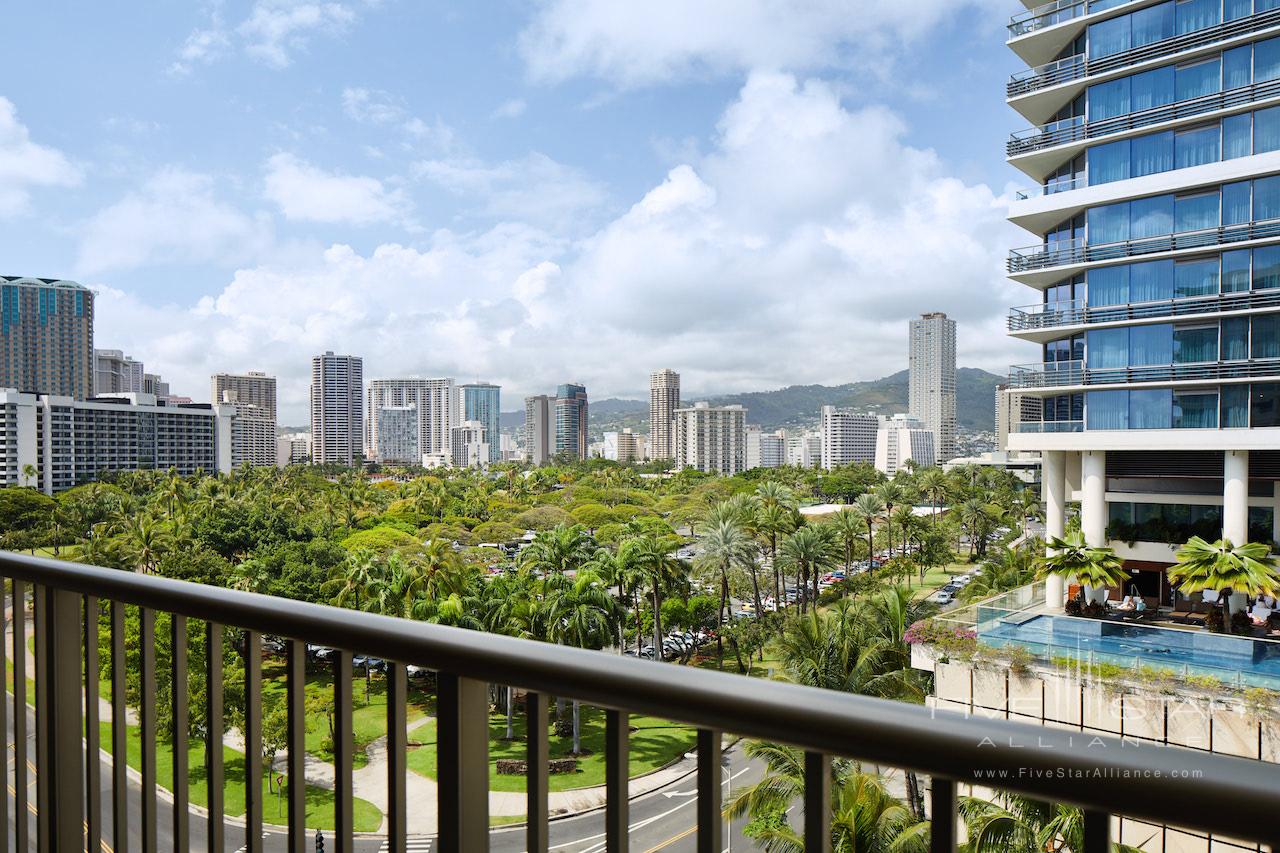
(1251, 662)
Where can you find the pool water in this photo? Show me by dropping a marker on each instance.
(1231, 659)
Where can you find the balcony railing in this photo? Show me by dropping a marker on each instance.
(1076, 129)
(1046, 16)
(1048, 315)
(1052, 188)
(1066, 373)
(1079, 66)
(1051, 426)
(1078, 251)
(1226, 796)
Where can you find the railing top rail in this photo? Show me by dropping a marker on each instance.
(1097, 772)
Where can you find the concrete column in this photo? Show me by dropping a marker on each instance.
(1053, 477)
(1235, 496)
(1093, 497)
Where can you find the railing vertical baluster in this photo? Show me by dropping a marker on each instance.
(343, 746)
(253, 742)
(617, 759)
(536, 770)
(296, 678)
(942, 814)
(21, 820)
(181, 721)
(4, 742)
(710, 792)
(462, 756)
(1097, 831)
(119, 742)
(147, 714)
(397, 746)
(92, 731)
(60, 698)
(213, 770)
(817, 802)
(39, 605)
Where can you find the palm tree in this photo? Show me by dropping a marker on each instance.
(891, 494)
(774, 518)
(661, 571)
(848, 527)
(558, 550)
(351, 579)
(864, 817)
(1012, 823)
(1093, 567)
(933, 482)
(725, 544)
(1225, 568)
(581, 614)
(808, 551)
(146, 542)
(868, 506)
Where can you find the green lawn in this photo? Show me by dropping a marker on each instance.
(654, 743)
(367, 817)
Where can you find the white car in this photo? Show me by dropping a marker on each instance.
(944, 597)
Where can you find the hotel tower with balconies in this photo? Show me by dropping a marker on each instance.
(1154, 274)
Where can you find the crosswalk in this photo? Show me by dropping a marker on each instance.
(412, 845)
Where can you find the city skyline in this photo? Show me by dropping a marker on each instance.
(331, 204)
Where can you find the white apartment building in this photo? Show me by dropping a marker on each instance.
(932, 385)
(116, 373)
(664, 399)
(1013, 409)
(804, 449)
(438, 404)
(337, 418)
(398, 435)
(469, 446)
(765, 449)
(69, 442)
(711, 439)
(293, 449)
(625, 446)
(1154, 154)
(254, 396)
(539, 429)
(847, 437)
(902, 438)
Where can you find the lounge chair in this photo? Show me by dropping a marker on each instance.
(1185, 609)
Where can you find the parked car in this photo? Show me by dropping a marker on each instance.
(321, 653)
(415, 671)
(944, 597)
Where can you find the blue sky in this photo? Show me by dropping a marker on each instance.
(753, 192)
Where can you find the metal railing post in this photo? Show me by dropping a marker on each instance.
(536, 771)
(1097, 831)
(817, 802)
(21, 820)
(296, 737)
(397, 749)
(462, 754)
(180, 704)
(253, 742)
(942, 815)
(343, 746)
(617, 762)
(60, 696)
(119, 734)
(92, 729)
(150, 816)
(213, 770)
(44, 812)
(710, 789)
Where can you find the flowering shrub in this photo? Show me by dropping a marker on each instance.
(958, 642)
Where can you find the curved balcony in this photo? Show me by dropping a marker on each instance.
(1041, 427)
(1046, 16)
(1079, 67)
(1053, 187)
(1044, 256)
(1061, 374)
(1048, 315)
(1077, 129)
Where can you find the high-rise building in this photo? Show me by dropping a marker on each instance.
(152, 384)
(664, 399)
(804, 449)
(438, 411)
(1154, 251)
(712, 439)
(538, 429)
(116, 373)
(903, 438)
(932, 385)
(571, 421)
(46, 336)
(58, 442)
(765, 449)
(847, 437)
(625, 446)
(482, 401)
(398, 435)
(469, 445)
(293, 449)
(337, 417)
(254, 396)
(1013, 409)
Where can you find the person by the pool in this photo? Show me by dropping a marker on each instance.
(1126, 604)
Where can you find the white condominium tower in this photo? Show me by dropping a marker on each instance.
(847, 437)
(337, 421)
(254, 396)
(901, 439)
(712, 439)
(116, 373)
(538, 428)
(932, 388)
(439, 411)
(1154, 219)
(664, 399)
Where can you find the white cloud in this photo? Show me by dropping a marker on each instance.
(202, 47)
(374, 106)
(635, 44)
(25, 165)
(275, 29)
(175, 217)
(304, 192)
(513, 108)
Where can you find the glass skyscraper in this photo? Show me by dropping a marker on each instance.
(1155, 270)
(482, 401)
(571, 420)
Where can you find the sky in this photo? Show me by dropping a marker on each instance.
(755, 193)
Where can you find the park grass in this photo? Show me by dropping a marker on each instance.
(654, 743)
(320, 801)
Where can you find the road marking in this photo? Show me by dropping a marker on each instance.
(673, 839)
(246, 847)
(411, 845)
(670, 794)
